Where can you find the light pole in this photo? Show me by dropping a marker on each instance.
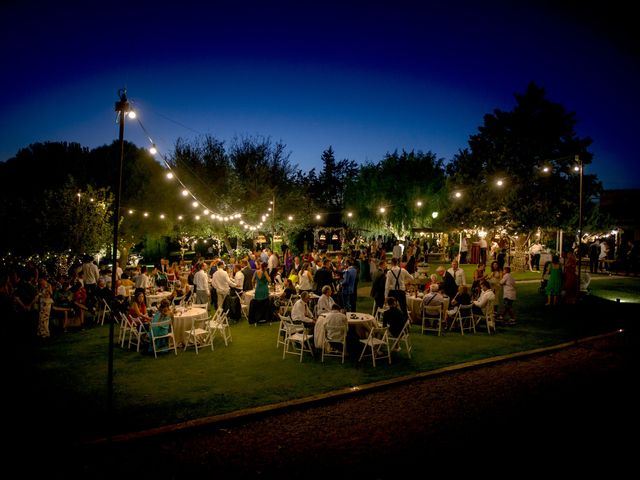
(580, 168)
(122, 107)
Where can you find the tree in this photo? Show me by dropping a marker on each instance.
(515, 148)
(73, 220)
(406, 185)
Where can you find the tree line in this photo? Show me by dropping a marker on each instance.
(58, 196)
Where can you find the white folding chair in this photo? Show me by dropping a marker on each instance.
(103, 310)
(334, 335)
(244, 308)
(282, 330)
(220, 327)
(464, 318)
(137, 332)
(197, 336)
(296, 342)
(157, 333)
(432, 319)
(487, 316)
(403, 337)
(377, 343)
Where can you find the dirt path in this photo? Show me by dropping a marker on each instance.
(570, 410)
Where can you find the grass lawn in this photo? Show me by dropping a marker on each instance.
(67, 374)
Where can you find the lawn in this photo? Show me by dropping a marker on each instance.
(66, 376)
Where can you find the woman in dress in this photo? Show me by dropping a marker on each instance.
(138, 308)
(261, 283)
(555, 281)
(305, 279)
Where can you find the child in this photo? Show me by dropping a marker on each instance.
(509, 296)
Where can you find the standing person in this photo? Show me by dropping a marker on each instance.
(273, 262)
(555, 281)
(247, 271)
(534, 253)
(323, 276)
(261, 282)
(448, 285)
(463, 250)
(509, 295)
(378, 284)
(570, 279)
(594, 253)
(201, 284)
(348, 286)
(222, 283)
(483, 250)
(45, 299)
(457, 273)
(397, 251)
(90, 274)
(395, 285)
(604, 253)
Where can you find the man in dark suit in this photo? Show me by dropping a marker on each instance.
(247, 284)
(448, 284)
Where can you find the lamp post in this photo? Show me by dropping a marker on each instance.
(122, 107)
(580, 169)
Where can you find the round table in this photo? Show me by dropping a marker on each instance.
(157, 297)
(360, 324)
(182, 321)
(414, 307)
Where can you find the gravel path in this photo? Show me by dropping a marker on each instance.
(573, 410)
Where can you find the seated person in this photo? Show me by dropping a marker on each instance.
(334, 318)
(434, 298)
(138, 307)
(486, 296)
(162, 315)
(326, 301)
(461, 298)
(288, 289)
(432, 279)
(393, 317)
(300, 313)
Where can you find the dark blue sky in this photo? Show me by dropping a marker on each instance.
(365, 78)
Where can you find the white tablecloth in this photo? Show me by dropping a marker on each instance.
(182, 321)
(157, 297)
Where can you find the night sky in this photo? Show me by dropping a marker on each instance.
(365, 78)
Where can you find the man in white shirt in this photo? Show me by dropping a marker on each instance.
(397, 250)
(334, 318)
(325, 302)
(201, 284)
(142, 280)
(395, 285)
(457, 273)
(301, 312)
(222, 283)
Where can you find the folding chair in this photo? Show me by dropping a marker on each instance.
(103, 310)
(244, 308)
(403, 337)
(334, 335)
(296, 342)
(464, 317)
(137, 332)
(432, 319)
(220, 326)
(487, 316)
(377, 342)
(161, 331)
(197, 336)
